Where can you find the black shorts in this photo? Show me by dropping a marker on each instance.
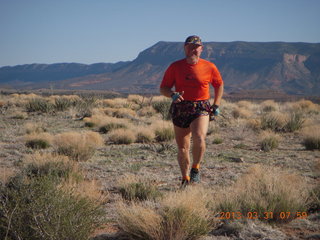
(183, 113)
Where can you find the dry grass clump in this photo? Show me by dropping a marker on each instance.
(144, 134)
(38, 140)
(42, 164)
(306, 106)
(269, 140)
(124, 113)
(241, 112)
(20, 100)
(59, 166)
(16, 114)
(122, 136)
(163, 131)
(311, 137)
(106, 123)
(266, 189)
(180, 215)
(133, 187)
(146, 111)
(274, 121)
(5, 174)
(34, 128)
(269, 106)
(254, 124)
(79, 146)
(245, 104)
(115, 103)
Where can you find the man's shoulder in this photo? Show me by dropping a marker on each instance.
(204, 61)
(179, 62)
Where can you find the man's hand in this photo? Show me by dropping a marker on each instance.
(215, 110)
(177, 97)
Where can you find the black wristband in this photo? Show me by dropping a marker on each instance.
(214, 106)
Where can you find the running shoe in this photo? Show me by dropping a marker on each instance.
(194, 175)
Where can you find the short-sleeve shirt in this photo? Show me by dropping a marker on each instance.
(193, 79)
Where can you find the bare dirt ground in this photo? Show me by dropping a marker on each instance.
(224, 162)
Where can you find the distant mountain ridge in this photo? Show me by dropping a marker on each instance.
(293, 68)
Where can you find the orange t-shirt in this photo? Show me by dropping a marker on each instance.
(193, 79)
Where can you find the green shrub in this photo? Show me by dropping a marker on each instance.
(163, 107)
(164, 134)
(110, 126)
(85, 105)
(274, 121)
(36, 209)
(37, 144)
(217, 141)
(62, 104)
(294, 123)
(311, 142)
(89, 124)
(140, 190)
(269, 143)
(39, 105)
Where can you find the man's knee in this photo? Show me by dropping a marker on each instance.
(184, 150)
(199, 140)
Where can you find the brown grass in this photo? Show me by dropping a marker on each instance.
(79, 146)
(266, 189)
(122, 136)
(180, 215)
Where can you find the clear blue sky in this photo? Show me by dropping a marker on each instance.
(91, 31)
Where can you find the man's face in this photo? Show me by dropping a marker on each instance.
(193, 50)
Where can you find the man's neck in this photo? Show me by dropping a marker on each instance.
(192, 60)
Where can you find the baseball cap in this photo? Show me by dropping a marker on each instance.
(193, 39)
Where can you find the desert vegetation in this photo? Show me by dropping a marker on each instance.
(88, 167)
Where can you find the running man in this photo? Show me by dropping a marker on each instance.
(191, 77)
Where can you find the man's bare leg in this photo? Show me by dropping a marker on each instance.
(183, 136)
(199, 129)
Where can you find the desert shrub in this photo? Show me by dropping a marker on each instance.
(62, 104)
(274, 121)
(164, 134)
(241, 113)
(147, 111)
(79, 146)
(50, 165)
(122, 136)
(179, 215)
(269, 141)
(85, 105)
(295, 122)
(144, 135)
(39, 105)
(116, 103)
(124, 113)
(217, 141)
(34, 128)
(269, 106)
(311, 137)
(271, 190)
(38, 141)
(19, 115)
(163, 107)
(135, 188)
(89, 124)
(37, 144)
(35, 209)
(254, 124)
(111, 126)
